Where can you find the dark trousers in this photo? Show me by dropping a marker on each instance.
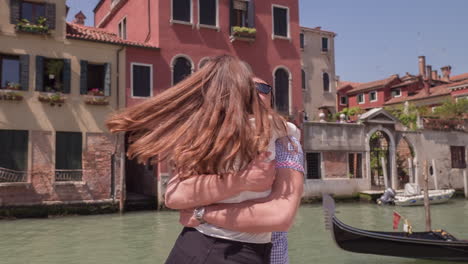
(193, 247)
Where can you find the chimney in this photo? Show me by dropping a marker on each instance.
(429, 73)
(79, 18)
(422, 66)
(435, 76)
(446, 73)
(337, 80)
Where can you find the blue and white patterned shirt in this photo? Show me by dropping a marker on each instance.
(291, 157)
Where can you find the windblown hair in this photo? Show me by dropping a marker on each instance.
(213, 122)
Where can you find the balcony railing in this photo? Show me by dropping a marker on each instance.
(7, 175)
(68, 175)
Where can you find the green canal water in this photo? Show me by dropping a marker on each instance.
(147, 237)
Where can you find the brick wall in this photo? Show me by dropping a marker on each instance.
(335, 164)
(96, 183)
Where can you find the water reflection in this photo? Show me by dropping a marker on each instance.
(147, 237)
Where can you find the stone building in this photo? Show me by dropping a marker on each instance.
(59, 82)
(338, 155)
(318, 71)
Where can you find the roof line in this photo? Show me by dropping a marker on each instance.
(113, 43)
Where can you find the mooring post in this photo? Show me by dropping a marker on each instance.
(434, 171)
(384, 169)
(410, 170)
(465, 181)
(426, 197)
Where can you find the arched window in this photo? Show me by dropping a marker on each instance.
(326, 82)
(182, 68)
(303, 80)
(203, 62)
(282, 91)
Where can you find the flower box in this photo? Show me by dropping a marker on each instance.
(11, 95)
(243, 33)
(96, 100)
(52, 98)
(39, 27)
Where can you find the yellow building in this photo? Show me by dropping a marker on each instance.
(59, 82)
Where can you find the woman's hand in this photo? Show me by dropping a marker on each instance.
(186, 218)
(258, 176)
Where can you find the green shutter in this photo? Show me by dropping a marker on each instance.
(50, 15)
(107, 79)
(251, 13)
(83, 77)
(66, 75)
(231, 15)
(24, 72)
(14, 11)
(39, 73)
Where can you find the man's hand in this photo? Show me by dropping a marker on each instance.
(187, 219)
(258, 176)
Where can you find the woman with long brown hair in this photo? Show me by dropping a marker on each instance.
(213, 123)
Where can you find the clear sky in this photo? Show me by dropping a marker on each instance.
(377, 38)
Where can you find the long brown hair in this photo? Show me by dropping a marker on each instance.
(213, 122)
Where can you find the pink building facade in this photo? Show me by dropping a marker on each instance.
(264, 34)
(189, 31)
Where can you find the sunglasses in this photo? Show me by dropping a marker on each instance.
(263, 88)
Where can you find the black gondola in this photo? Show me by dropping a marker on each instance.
(437, 245)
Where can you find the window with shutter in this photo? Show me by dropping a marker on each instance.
(54, 74)
(142, 80)
(282, 91)
(360, 98)
(95, 81)
(242, 14)
(280, 21)
(181, 69)
(182, 10)
(314, 168)
(10, 72)
(208, 12)
(458, 157)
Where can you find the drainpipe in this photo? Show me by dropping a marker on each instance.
(149, 22)
(120, 139)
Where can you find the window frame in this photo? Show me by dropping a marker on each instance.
(131, 79)
(395, 89)
(346, 99)
(301, 40)
(11, 57)
(175, 21)
(289, 87)
(56, 171)
(370, 96)
(288, 26)
(363, 98)
(362, 165)
(34, 4)
(303, 80)
(325, 50)
(216, 26)
(320, 163)
(103, 65)
(122, 22)
(328, 90)
(173, 61)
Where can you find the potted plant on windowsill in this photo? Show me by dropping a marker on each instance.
(12, 86)
(11, 96)
(96, 96)
(53, 99)
(243, 33)
(39, 27)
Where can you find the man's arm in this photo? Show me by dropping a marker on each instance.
(201, 190)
